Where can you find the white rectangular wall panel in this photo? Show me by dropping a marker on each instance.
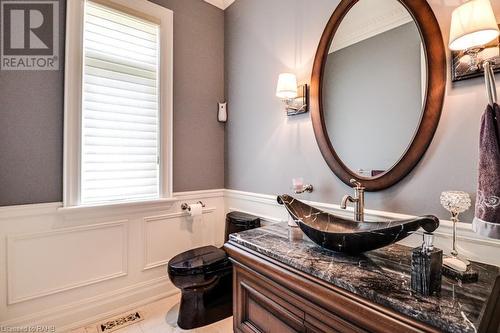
(45, 263)
(160, 246)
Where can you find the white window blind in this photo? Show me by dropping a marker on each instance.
(120, 107)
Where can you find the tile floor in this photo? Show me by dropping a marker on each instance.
(158, 318)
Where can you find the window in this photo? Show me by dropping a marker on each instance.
(120, 156)
(118, 102)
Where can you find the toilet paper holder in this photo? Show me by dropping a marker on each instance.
(185, 206)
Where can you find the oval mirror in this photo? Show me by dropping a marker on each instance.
(377, 89)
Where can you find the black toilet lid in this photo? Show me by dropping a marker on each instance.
(201, 260)
(243, 219)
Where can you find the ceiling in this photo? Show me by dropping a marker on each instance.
(222, 4)
(367, 19)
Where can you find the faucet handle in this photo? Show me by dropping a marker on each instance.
(357, 184)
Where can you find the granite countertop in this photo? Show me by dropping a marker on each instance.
(381, 276)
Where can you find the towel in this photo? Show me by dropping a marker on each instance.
(487, 216)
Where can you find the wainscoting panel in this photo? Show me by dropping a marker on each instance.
(190, 233)
(43, 263)
(70, 267)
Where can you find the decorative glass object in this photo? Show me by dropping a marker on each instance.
(455, 202)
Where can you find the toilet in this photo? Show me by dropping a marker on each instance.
(204, 276)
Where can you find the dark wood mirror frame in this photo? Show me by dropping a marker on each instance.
(436, 84)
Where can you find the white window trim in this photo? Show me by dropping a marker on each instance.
(73, 95)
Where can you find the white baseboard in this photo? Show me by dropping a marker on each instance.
(88, 309)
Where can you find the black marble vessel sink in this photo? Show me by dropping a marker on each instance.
(343, 235)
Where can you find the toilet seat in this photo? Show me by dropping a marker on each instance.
(205, 277)
(204, 260)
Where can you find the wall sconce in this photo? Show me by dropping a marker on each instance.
(473, 28)
(296, 98)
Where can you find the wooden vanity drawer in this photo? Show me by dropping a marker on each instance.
(257, 308)
(261, 305)
(327, 322)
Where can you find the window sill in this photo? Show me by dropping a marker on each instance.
(122, 207)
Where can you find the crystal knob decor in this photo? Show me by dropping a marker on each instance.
(455, 202)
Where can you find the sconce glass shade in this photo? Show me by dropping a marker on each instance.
(287, 86)
(473, 24)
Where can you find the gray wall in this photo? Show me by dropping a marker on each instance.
(31, 115)
(265, 149)
(373, 98)
(198, 87)
(31, 112)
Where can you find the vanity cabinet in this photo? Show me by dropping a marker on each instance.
(281, 286)
(271, 297)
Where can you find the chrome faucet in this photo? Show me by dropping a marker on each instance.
(358, 200)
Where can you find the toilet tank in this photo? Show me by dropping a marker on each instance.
(238, 222)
